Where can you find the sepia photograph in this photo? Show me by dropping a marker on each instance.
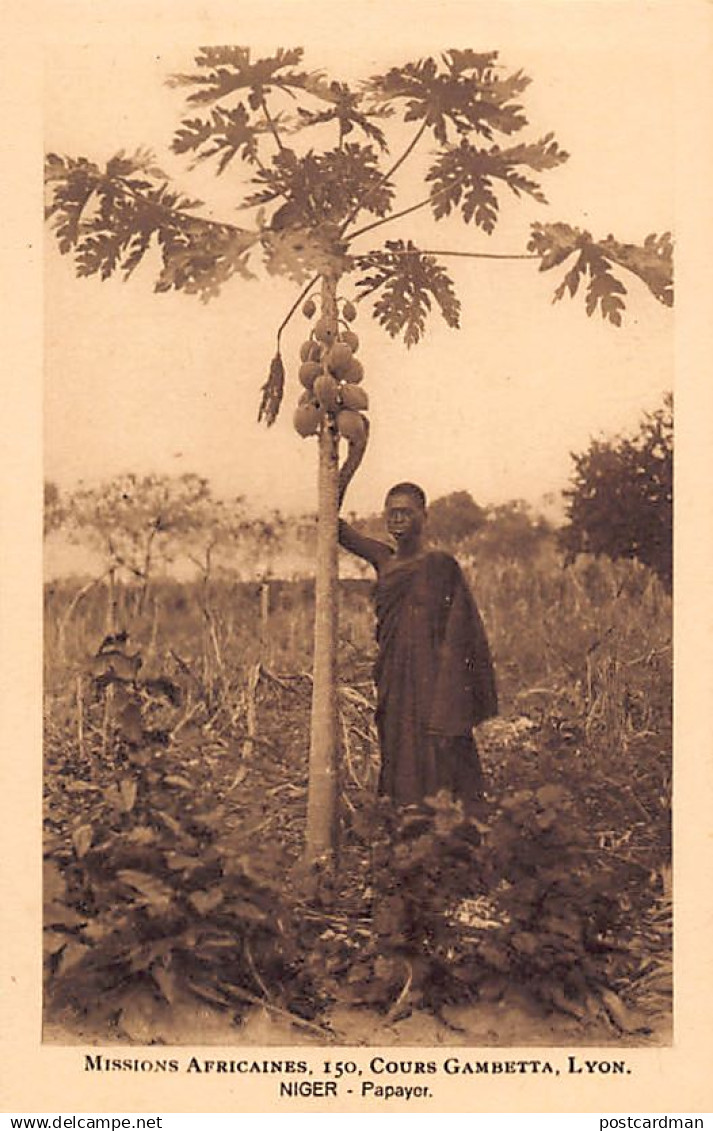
(358, 533)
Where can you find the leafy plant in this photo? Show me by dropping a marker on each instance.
(559, 908)
(149, 898)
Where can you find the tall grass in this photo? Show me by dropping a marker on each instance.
(589, 643)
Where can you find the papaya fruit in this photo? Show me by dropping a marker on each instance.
(307, 419)
(326, 391)
(350, 339)
(309, 308)
(353, 397)
(349, 311)
(338, 358)
(310, 351)
(325, 331)
(354, 372)
(308, 372)
(351, 425)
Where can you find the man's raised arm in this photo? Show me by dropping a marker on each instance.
(370, 549)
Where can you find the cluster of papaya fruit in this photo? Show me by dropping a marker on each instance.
(331, 376)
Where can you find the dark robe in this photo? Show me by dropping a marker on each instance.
(434, 678)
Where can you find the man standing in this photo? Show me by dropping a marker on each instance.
(434, 673)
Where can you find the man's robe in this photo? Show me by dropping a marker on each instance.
(435, 680)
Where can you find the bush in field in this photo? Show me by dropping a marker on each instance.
(621, 499)
(147, 899)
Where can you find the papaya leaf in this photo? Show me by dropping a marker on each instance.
(108, 219)
(322, 188)
(346, 110)
(409, 280)
(225, 134)
(466, 93)
(225, 70)
(652, 263)
(462, 176)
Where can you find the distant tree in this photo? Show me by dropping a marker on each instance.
(621, 499)
(513, 530)
(454, 517)
(53, 512)
(133, 521)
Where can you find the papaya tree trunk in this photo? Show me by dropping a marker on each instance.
(322, 816)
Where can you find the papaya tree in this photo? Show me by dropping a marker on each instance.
(320, 163)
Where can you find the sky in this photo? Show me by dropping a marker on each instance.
(162, 383)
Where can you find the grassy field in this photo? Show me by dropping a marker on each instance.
(221, 703)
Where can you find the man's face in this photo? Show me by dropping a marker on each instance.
(404, 516)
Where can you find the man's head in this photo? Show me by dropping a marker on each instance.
(405, 512)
